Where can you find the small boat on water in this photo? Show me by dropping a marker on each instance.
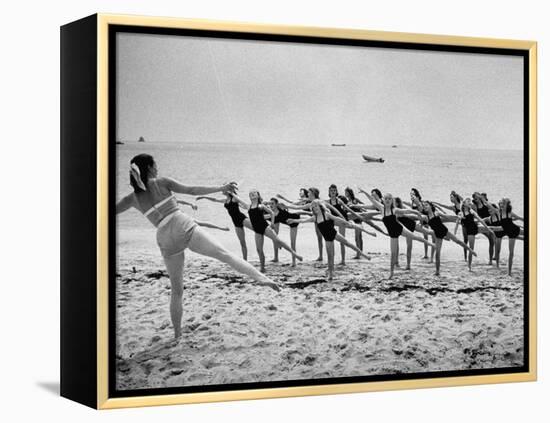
(141, 139)
(338, 145)
(119, 143)
(373, 159)
(394, 146)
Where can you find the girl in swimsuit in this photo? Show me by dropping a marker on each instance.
(481, 205)
(240, 220)
(305, 204)
(416, 204)
(303, 198)
(280, 215)
(353, 203)
(469, 218)
(324, 220)
(256, 215)
(337, 204)
(394, 228)
(154, 197)
(434, 219)
(456, 203)
(410, 222)
(510, 229)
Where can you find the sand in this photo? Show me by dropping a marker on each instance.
(359, 324)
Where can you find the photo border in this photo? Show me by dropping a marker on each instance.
(108, 26)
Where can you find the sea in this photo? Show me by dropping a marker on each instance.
(284, 169)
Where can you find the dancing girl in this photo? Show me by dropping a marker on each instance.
(441, 232)
(257, 212)
(324, 220)
(468, 218)
(154, 197)
(395, 229)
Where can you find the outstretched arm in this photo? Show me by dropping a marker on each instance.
(374, 202)
(443, 206)
(333, 209)
(187, 203)
(125, 204)
(302, 220)
(242, 203)
(214, 200)
(480, 220)
(179, 188)
(515, 216)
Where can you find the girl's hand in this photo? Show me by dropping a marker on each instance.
(194, 207)
(229, 187)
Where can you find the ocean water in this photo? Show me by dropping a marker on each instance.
(285, 169)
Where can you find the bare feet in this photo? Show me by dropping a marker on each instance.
(357, 257)
(320, 258)
(274, 260)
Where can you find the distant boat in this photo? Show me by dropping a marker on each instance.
(373, 159)
(141, 139)
(338, 145)
(394, 146)
(119, 142)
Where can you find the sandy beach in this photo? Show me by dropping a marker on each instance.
(359, 324)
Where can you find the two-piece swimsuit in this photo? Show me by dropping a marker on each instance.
(174, 228)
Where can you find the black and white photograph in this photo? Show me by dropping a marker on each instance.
(293, 210)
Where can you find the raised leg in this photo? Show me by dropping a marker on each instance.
(409, 234)
(452, 237)
(345, 243)
(273, 236)
(203, 243)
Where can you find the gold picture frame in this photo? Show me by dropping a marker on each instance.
(102, 22)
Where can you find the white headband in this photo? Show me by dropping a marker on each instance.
(136, 174)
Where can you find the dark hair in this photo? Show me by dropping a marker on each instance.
(304, 191)
(416, 193)
(315, 191)
(432, 206)
(274, 200)
(350, 192)
(377, 192)
(143, 162)
(484, 195)
(457, 196)
(332, 186)
(398, 202)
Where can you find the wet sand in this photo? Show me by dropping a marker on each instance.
(359, 324)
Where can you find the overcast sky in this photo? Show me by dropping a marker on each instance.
(184, 89)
